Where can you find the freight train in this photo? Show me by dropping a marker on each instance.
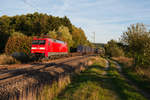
(47, 47)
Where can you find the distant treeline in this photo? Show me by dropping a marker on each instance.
(38, 24)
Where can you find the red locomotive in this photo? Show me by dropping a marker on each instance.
(48, 47)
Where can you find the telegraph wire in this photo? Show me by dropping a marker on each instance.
(30, 5)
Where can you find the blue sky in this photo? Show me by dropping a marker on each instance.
(107, 18)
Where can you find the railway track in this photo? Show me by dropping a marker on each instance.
(28, 67)
(8, 68)
(13, 76)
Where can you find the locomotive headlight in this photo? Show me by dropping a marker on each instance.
(33, 48)
(42, 48)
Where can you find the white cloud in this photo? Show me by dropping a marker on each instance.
(107, 18)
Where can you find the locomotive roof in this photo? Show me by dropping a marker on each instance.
(54, 40)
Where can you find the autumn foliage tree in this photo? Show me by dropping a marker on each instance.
(78, 36)
(137, 39)
(64, 35)
(74, 38)
(30, 25)
(38, 24)
(52, 34)
(18, 43)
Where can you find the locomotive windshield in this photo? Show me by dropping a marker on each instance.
(38, 42)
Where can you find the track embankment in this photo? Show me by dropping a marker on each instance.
(31, 83)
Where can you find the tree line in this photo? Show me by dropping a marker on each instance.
(38, 24)
(134, 43)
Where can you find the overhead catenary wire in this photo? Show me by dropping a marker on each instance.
(30, 5)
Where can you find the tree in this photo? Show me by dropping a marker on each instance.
(38, 24)
(76, 36)
(5, 31)
(79, 37)
(137, 38)
(52, 34)
(64, 35)
(18, 42)
(113, 50)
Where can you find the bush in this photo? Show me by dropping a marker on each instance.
(137, 39)
(113, 50)
(18, 43)
(116, 52)
(5, 59)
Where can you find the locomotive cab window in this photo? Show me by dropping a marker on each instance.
(41, 41)
(38, 42)
(35, 42)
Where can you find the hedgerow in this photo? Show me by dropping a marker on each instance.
(18, 43)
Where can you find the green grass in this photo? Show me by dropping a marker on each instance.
(101, 62)
(93, 84)
(142, 82)
(125, 91)
(89, 85)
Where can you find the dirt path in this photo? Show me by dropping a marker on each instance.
(107, 64)
(131, 83)
(105, 68)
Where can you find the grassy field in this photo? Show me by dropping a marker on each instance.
(125, 90)
(99, 83)
(140, 81)
(140, 76)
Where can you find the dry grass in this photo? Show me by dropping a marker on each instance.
(124, 60)
(128, 62)
(101, 61)
(138, 75)
(94, 58)
(49, 92)
(5, 59)
(143, 72)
